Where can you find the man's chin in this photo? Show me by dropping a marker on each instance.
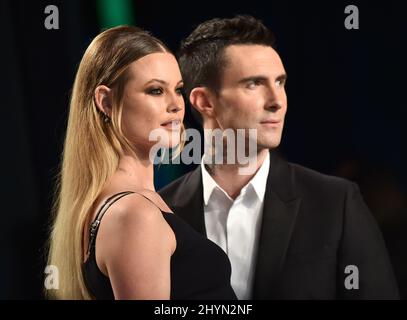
(269, 144)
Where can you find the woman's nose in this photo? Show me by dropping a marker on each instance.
(173, 108)
(175, 104)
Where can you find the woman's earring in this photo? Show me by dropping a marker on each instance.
(106, 118)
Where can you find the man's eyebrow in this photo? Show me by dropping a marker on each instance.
(161, 81)
(253, 78)
(281, 77)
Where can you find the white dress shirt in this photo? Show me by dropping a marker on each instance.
(234, 225)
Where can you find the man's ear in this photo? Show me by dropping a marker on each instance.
(103, 99)
(200, 99)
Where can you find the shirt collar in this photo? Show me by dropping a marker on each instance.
(258, 182)
(209, 184)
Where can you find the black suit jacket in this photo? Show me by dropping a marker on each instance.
(313, 226)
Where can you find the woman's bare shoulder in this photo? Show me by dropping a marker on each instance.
(156, 198)
(134, 248)
(132, 212)
(132, 222)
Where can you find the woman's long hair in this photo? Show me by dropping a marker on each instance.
(92, 148)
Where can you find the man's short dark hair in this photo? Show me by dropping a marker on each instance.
(201, 56)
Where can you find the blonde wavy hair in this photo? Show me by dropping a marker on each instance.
(92, 149)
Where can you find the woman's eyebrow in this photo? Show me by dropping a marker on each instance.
(156, 80)
(161, 81)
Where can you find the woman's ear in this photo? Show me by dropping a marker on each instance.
(103, 99)
(200, 99)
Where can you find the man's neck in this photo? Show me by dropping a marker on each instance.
(228, 178)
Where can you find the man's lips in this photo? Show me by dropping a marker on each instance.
(271, 122)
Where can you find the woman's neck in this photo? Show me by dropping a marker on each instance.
(137, 173)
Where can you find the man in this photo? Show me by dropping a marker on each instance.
(289, 232)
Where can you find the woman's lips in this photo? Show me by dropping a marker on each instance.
(172, 125)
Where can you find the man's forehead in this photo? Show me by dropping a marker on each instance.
(250, 50)
(243, 58)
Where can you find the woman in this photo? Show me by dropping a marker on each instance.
(113, 236)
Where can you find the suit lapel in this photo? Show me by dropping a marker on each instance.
(189, 201)
(280, 210)
(279, 214)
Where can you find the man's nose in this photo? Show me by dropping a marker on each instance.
(274, 99)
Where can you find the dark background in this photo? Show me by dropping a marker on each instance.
(346, 93)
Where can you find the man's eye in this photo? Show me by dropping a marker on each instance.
(280, 83)
(253, 84)
(155, 91)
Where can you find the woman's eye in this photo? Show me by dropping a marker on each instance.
(179, 90)
(155, 91)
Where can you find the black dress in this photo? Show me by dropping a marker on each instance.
(200, 269)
